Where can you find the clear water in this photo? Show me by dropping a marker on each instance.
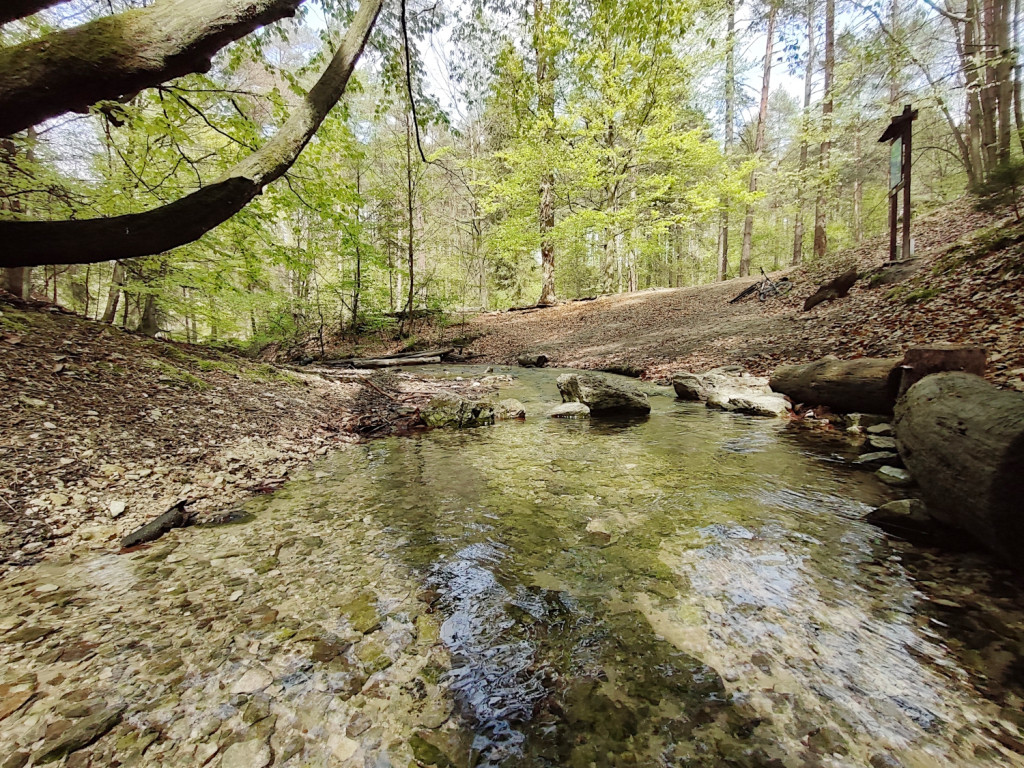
(691, 589)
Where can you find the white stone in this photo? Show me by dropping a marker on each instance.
(253, 681)
(117, 508)
(247, 754)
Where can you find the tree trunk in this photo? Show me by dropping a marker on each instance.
(963, 441)
(148, 324)
(798, 227)
(31, 243)
(1018, 74)
(17, 281)
(762, 120)
(116, 56)
(730, 119)
(113, 294)
(546, 112)
(865, 385)
(820, 236)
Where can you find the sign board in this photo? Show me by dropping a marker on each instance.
(896, 163)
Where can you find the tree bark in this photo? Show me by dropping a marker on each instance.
(113, 294)
(820, 236)
(19, 9)
(116, 56)
(546, 110)
(730, 119)
(865, 385)
(31, 243)
(963, 441)
(762, 120)
(798, 227)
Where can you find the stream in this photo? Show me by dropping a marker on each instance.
(695, 588)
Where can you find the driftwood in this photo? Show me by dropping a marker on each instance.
(870, 384)
(865, 385)
(426, 357)
(834, 289)
(527, 360)
(962, 439)
(175, 517)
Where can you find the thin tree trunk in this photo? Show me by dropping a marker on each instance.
(820, 236)
(762, 120)
(1018, 109)
(546, 109)
(113, 294)
(730, 119)
(798, 227)
(858, 187)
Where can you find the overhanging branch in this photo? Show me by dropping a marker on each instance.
(34, 243)
(116, 56)
(13, 10)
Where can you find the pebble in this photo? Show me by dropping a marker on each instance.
(117, 508)
(253, 681)
(247, 754)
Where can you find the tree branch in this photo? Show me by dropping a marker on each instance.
(32, 243)
(19, 9)
(116, 56)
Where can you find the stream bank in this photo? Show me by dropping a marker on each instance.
(102, 430)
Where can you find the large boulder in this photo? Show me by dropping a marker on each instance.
(731, 389)
(509, 409)
(963, 441)
(602, 395)
(451, 410)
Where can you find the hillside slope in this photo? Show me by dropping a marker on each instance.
(968, 287)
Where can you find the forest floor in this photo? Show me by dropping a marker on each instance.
(967, 287)
(102, 430)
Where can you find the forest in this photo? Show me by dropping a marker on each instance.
(483, 155)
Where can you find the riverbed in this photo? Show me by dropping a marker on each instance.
(694, 588)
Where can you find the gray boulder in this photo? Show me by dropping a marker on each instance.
(570, 411)
(729, 389)
(602, 395)
(894, 476)
(509, 409)
(451, 410)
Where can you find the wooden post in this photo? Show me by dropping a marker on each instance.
(899, 130)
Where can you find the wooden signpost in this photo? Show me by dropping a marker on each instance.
(899, 134)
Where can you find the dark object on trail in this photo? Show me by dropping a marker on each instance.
(532, 361)
(839, 288)
(865, 385)
(175, 517)
(963, 441)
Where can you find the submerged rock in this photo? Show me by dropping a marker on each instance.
(895, 476)
(451, 410)
(905, 513)
(570, 411)
(876, 459)
(729, 389)
(601, 395)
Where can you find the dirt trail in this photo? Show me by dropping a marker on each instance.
(968, 287)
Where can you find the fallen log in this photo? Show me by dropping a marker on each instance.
(175, 517)
(391, 362)
(834, 289)
(962, 439)
(864, 385)
(529, 360)
(935, 358)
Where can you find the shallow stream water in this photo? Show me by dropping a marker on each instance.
(694, 588)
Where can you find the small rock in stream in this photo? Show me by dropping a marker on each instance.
(895, 476)
(570, 411)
